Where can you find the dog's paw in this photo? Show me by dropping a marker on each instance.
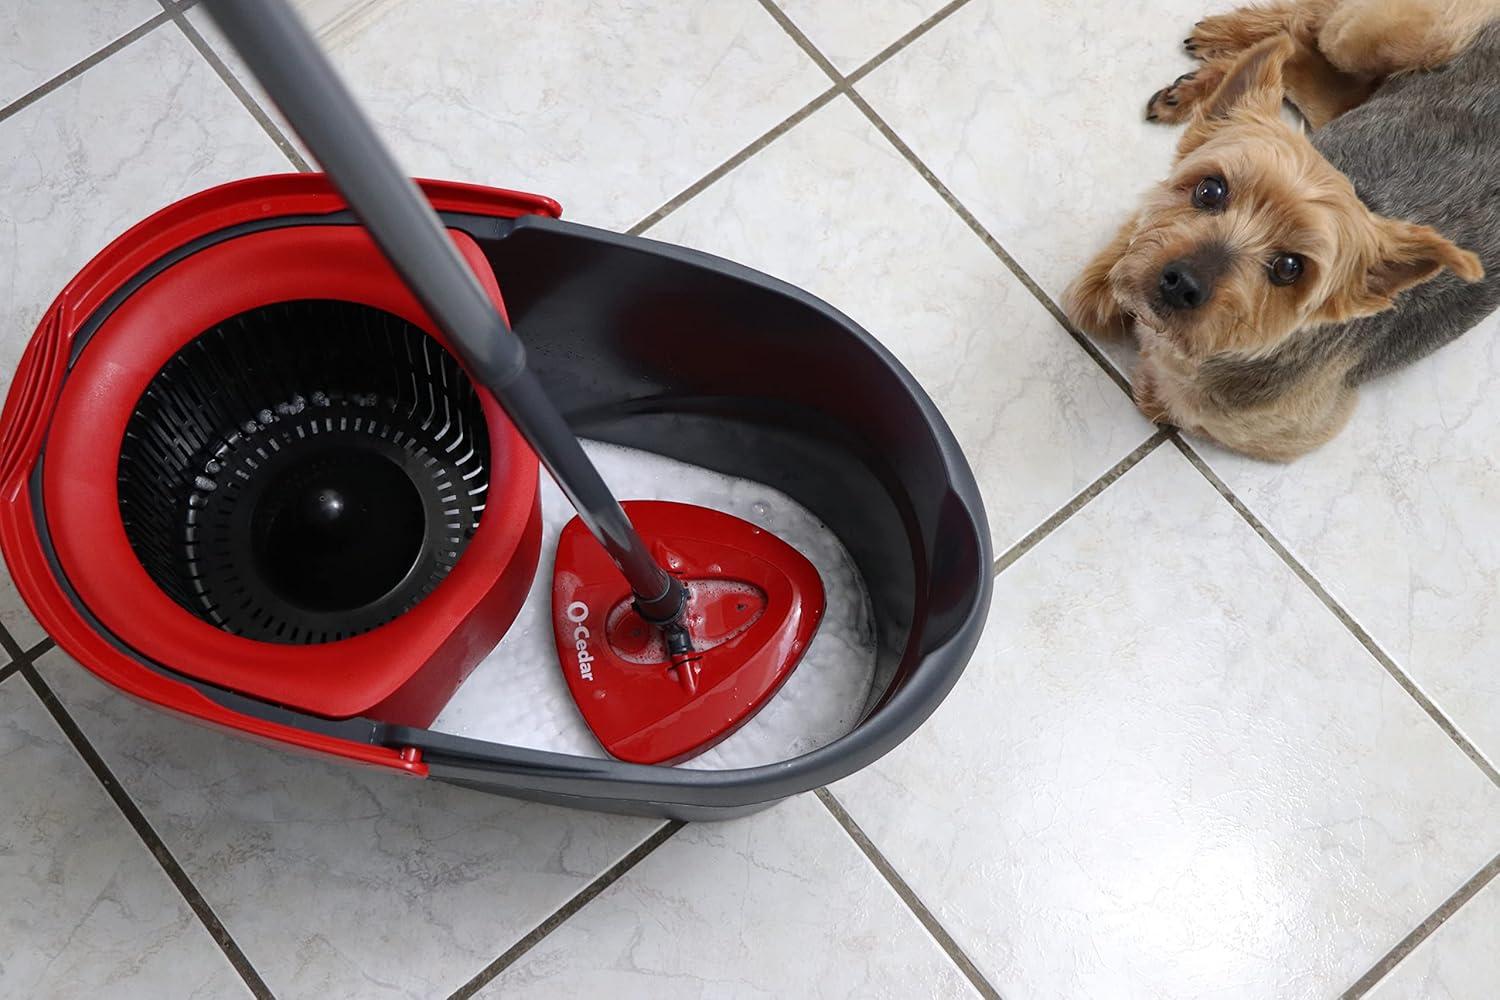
(1177, 101)
(1223, 35)
(1167, 104)
(1143, 391)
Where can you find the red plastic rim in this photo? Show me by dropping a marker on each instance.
(336, 679)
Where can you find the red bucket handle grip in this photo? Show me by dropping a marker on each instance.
(33, 395)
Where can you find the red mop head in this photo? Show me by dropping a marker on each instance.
(753, 605)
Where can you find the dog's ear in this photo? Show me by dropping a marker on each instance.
(1253, 83)
(1412, 254)
(1406, 255)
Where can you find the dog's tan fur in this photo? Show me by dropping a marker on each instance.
(1325, 56)
(1359, 37)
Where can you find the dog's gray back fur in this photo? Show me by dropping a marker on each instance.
(1426, 148)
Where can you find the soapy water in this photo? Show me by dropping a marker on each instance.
(517, 694)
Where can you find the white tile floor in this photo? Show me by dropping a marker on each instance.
(1232, 731)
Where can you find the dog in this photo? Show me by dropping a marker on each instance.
(1277, 269)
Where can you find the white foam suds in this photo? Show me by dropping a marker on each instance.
(517, 694)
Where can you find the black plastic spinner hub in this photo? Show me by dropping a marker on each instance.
(305, 471)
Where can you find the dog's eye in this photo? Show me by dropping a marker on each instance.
(1286, 268)
(1211, 193)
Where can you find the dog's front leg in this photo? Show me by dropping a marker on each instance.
(1147, 394)
(1227, 35)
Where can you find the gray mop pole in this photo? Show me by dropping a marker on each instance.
(287, 61)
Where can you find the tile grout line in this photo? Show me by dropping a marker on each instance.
(1011, 555)
(1424, 930)
(845, 84)
(1344, 617)
(909, 897)
(178, 17)
(151, 839)
(841, 86)
(584, 896)
(13, 648)
(804, 43)
(349, 17)
(701, 184)
(20, 657)
(989, 240)
(884, 55)
(83, 65)
(775, 132)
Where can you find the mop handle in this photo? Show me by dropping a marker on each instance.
(287, 61)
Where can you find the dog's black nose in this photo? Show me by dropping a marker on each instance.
(1183, 286)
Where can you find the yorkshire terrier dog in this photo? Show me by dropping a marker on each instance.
(1277, 269)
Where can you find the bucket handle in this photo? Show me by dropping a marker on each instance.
(33, 396)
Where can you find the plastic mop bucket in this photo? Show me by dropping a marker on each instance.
(240, 380)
